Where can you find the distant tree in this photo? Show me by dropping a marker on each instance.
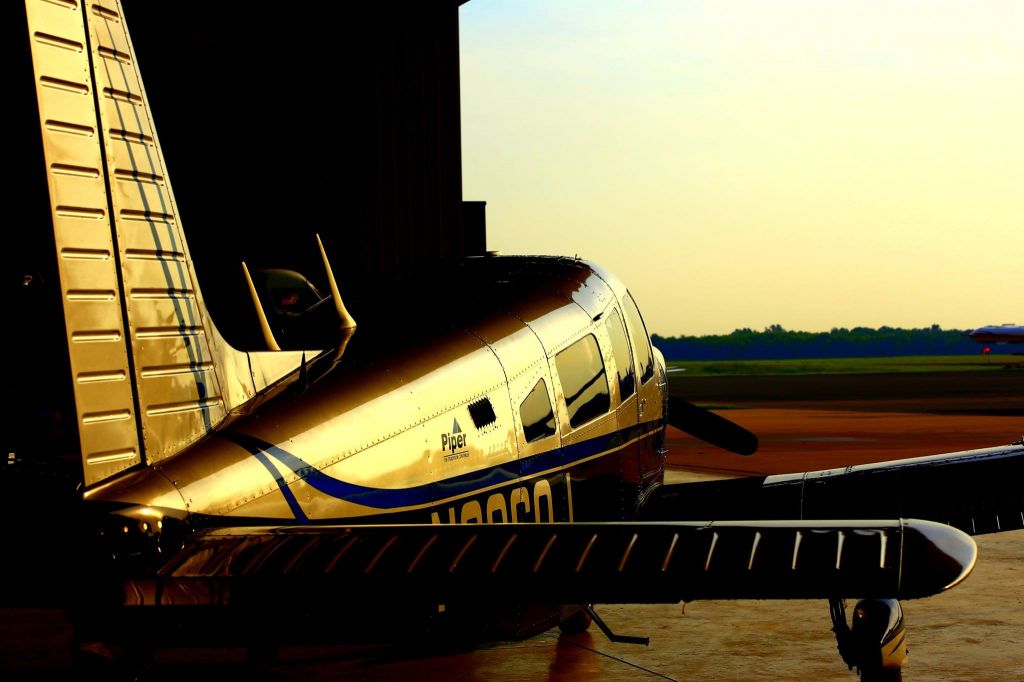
(776, 342)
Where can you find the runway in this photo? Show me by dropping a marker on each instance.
(973, 632)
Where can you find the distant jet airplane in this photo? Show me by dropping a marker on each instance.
(1004, 333)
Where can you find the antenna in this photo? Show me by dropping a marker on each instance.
(268, 335)
(347, 321)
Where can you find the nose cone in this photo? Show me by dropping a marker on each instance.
(936, 557)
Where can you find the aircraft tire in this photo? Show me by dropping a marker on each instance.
(576, 624)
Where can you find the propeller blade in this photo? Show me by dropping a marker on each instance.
(709, 427)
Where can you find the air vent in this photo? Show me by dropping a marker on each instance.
(482, 413)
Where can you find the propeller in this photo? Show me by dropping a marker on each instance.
(709, 427)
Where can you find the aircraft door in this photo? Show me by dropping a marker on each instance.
(535, 435)
(649, 398)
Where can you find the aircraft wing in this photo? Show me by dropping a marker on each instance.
(370, 567)
(977, 491)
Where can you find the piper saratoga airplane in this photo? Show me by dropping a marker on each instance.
(489, 457)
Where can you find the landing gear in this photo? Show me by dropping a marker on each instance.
(576, 624)
(581, 618)
(613, 636)
(876, 643)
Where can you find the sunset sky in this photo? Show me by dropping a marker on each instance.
(809, 163)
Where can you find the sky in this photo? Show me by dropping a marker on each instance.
(814, 164)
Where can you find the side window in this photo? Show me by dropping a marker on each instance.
(538, 419)
(584, 380)
(641, 341)
(623, 358)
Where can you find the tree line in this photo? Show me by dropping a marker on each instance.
(774, 342)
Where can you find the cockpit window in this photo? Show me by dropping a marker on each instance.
(641, 341)
(623, 358)
(584, 380)
(538, 419)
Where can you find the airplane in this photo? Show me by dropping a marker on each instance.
(482, 452)
(1004, 333)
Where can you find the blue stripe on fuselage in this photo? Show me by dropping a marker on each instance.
(435, 491)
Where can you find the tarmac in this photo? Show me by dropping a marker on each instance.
(973, 632)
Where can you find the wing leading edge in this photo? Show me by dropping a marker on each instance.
(977, 491)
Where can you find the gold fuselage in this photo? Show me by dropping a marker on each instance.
(387, 428)
(170, 415)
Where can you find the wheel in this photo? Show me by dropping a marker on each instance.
(576, 624)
